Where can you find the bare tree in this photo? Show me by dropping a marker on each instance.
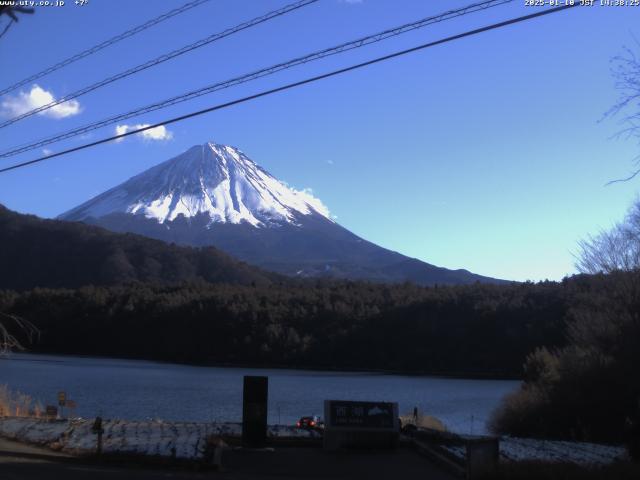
(625, 69)
(617, 249)
(11, 11)
(11, 323)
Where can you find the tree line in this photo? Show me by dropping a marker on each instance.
(472, 330)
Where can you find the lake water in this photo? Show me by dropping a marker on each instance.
(136, 389)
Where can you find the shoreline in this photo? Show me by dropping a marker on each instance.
(402, 373)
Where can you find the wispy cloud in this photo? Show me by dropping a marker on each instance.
(315, 202)
(46, 151)
(24, 102)
(160, 133)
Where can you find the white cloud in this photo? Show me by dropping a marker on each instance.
(47, 152)
(24, 102)
(120, 130)
(158, 133)
(315, 202)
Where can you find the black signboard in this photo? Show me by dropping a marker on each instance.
(254, 411)
(379, 415)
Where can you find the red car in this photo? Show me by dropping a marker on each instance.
(310, 422)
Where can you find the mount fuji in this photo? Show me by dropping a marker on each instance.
(215, 195)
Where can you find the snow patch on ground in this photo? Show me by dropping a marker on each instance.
(560, 451)
(183, 440)
(188, 440)
(519, 449)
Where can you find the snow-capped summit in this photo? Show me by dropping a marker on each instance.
(217, 180)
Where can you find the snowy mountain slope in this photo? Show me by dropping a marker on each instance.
(215, 195)
(216, 180)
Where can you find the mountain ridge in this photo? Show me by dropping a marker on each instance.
(48, 253)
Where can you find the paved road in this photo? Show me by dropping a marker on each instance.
(10, 447)
(14, 468)
(289, 463)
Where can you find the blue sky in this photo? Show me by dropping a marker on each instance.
(486, 153)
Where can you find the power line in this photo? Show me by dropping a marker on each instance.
(163, 58)
(105, 44)
(300, 83)
(360, 42)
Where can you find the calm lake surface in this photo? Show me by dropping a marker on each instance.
(136, 389)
